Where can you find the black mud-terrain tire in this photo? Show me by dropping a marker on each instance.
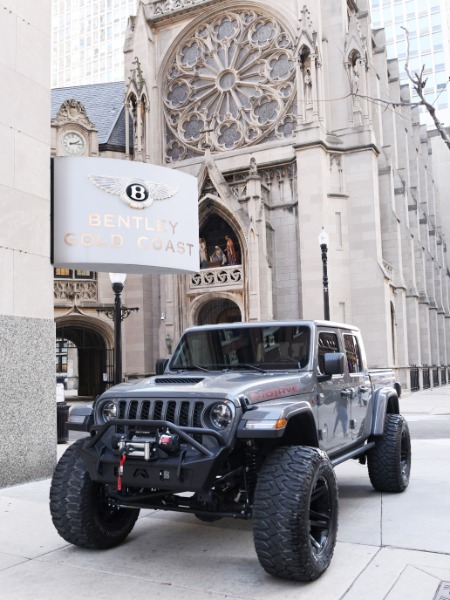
(295, 513)
(389, 461)
(79, 506)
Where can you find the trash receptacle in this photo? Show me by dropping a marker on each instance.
(62, 415)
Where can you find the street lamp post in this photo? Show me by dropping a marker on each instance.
(117, 281)
(323, 243)
(117, 314)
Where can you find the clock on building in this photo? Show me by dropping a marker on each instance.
(73, 143)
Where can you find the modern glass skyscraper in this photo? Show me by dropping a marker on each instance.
(427, 22)
(87, 40)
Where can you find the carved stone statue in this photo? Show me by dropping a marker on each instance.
(230, 251)
(354, 74)
(307, 80)
(203, 255)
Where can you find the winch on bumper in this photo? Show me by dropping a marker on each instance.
(154, 454)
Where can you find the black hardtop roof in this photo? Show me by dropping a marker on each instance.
(289, 323)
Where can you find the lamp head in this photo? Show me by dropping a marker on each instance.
(118, 277)
(323, 237)
(118, 281)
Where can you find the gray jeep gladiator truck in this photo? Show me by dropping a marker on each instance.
(246, 420)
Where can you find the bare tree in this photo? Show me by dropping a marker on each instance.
(419, 84)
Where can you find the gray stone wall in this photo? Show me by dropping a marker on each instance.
(27, 332)
(27, 399)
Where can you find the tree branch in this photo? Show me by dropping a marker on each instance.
(419, 84)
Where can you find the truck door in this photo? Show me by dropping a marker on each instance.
(332, 402)
(358, 385)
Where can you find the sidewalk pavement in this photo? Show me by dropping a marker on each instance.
(390, 546)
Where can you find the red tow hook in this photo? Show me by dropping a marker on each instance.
(123, 458)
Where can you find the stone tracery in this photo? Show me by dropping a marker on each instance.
(230, 84)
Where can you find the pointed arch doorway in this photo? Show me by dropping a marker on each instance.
(219, 310)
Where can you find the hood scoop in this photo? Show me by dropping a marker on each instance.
(179, 380)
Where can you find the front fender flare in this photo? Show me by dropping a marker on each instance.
(275, 412)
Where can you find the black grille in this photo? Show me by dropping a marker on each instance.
(171, 412)
(182, 412)
(197, 419)
(145, 409)
(158, 410)
(133, 409)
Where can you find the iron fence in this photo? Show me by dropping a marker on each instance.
(426, 378)
(432, 376)
(435, 376)
(414, 378)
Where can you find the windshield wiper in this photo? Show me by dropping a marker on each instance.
(247, 366)
(192, 368)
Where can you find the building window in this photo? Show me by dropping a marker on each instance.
(425, 43)
(61, 356)
(73, 274)
(63, 273)
(342, 312)
(79, 274)
(339, 240)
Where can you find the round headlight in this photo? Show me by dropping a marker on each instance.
(108, 411)
(221, 415)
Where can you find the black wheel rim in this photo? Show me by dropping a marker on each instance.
(405, 455)
(320, 515)
(107, 514)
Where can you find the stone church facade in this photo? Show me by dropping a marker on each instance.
(291, 120)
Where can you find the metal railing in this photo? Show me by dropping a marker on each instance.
(414, 378)
(435, 376)
(426, 378)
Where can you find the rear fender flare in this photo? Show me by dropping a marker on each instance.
(385, 401)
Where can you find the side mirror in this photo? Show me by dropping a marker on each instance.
(81, 418)
(161, 365)
(334, 363)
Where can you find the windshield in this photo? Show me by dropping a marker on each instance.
(279, 347)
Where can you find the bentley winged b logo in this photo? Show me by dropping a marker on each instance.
(137, 193)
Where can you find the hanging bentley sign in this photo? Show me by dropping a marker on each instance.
(122, 216)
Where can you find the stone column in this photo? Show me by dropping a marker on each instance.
(260, 276)
(127, 129)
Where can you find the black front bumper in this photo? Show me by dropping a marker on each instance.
(127, 460)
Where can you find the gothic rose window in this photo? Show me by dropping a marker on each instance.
(230, 84)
